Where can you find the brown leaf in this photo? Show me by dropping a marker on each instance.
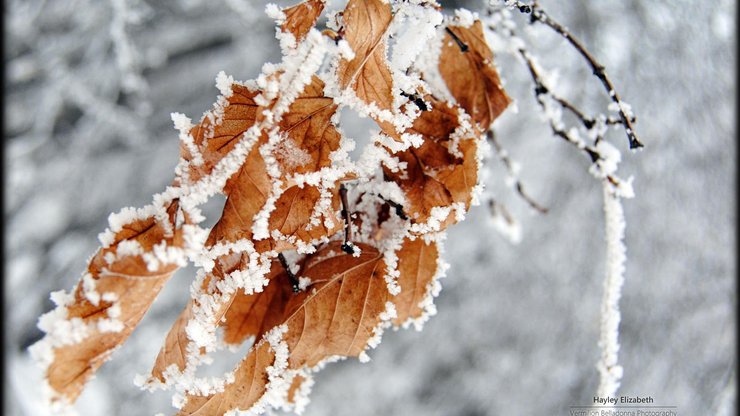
(251, 386)
(135, 288)
(174, 348)
(423, 192)
(365, 26)
(308, 126)
(417, 264)
(252, 315)
(435, 176)
(336, 315)
(247, 191)
(300, 18)
(471, 76)
(293, 212)
(461, 179)
(216, 136)
(338, 312)
(312, 136)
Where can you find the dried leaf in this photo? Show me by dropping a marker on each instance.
(123, 290)
(471, 76)
(251, 386)
(174, 348)
(337, 315)
(247, 191)
(300, 18)
(292, 217)
(252, 315)
(220, 129)
(462, 178)
(417, 264)
(435, 174)
(310, 129)
(366, 24)
(423, 192)
(342, 307)
(298, 217)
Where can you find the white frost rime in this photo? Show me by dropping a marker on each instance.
(616, 255)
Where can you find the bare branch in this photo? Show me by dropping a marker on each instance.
(539, 15)
(504, 157)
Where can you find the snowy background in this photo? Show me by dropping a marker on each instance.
(87, 131)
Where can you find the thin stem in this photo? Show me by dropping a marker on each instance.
(460, 43)
(396, 206)
(510, 168)
(347, 246)
(292, 277)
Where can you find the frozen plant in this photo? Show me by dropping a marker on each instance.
(315, 254)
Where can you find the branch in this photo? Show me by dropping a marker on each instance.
(542, 92)
(503, 156)
(539, 15)
(610, 372)
(460, 43)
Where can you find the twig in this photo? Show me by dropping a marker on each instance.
(588, 122)
(510, 168)
(416, 100)
(500, 209)
(396, 206)
(347, 246)
(541, 91)
(292, 277)
(539, 15)
(504, 222)
(460, 43)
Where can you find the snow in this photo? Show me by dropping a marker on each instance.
(345, 51)
(465, 18)
(609, 370)
(413, 26)
(224, 84)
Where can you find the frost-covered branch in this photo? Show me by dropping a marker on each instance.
(610, 371)
(127, 54)
(599, 152)
(604, 158)
(512, 169)
(537, 14)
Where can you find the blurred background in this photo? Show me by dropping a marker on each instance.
(89, 86)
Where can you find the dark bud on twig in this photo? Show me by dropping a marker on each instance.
(398, 208)
(348, 248)
(593, 155)
(417, 100)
